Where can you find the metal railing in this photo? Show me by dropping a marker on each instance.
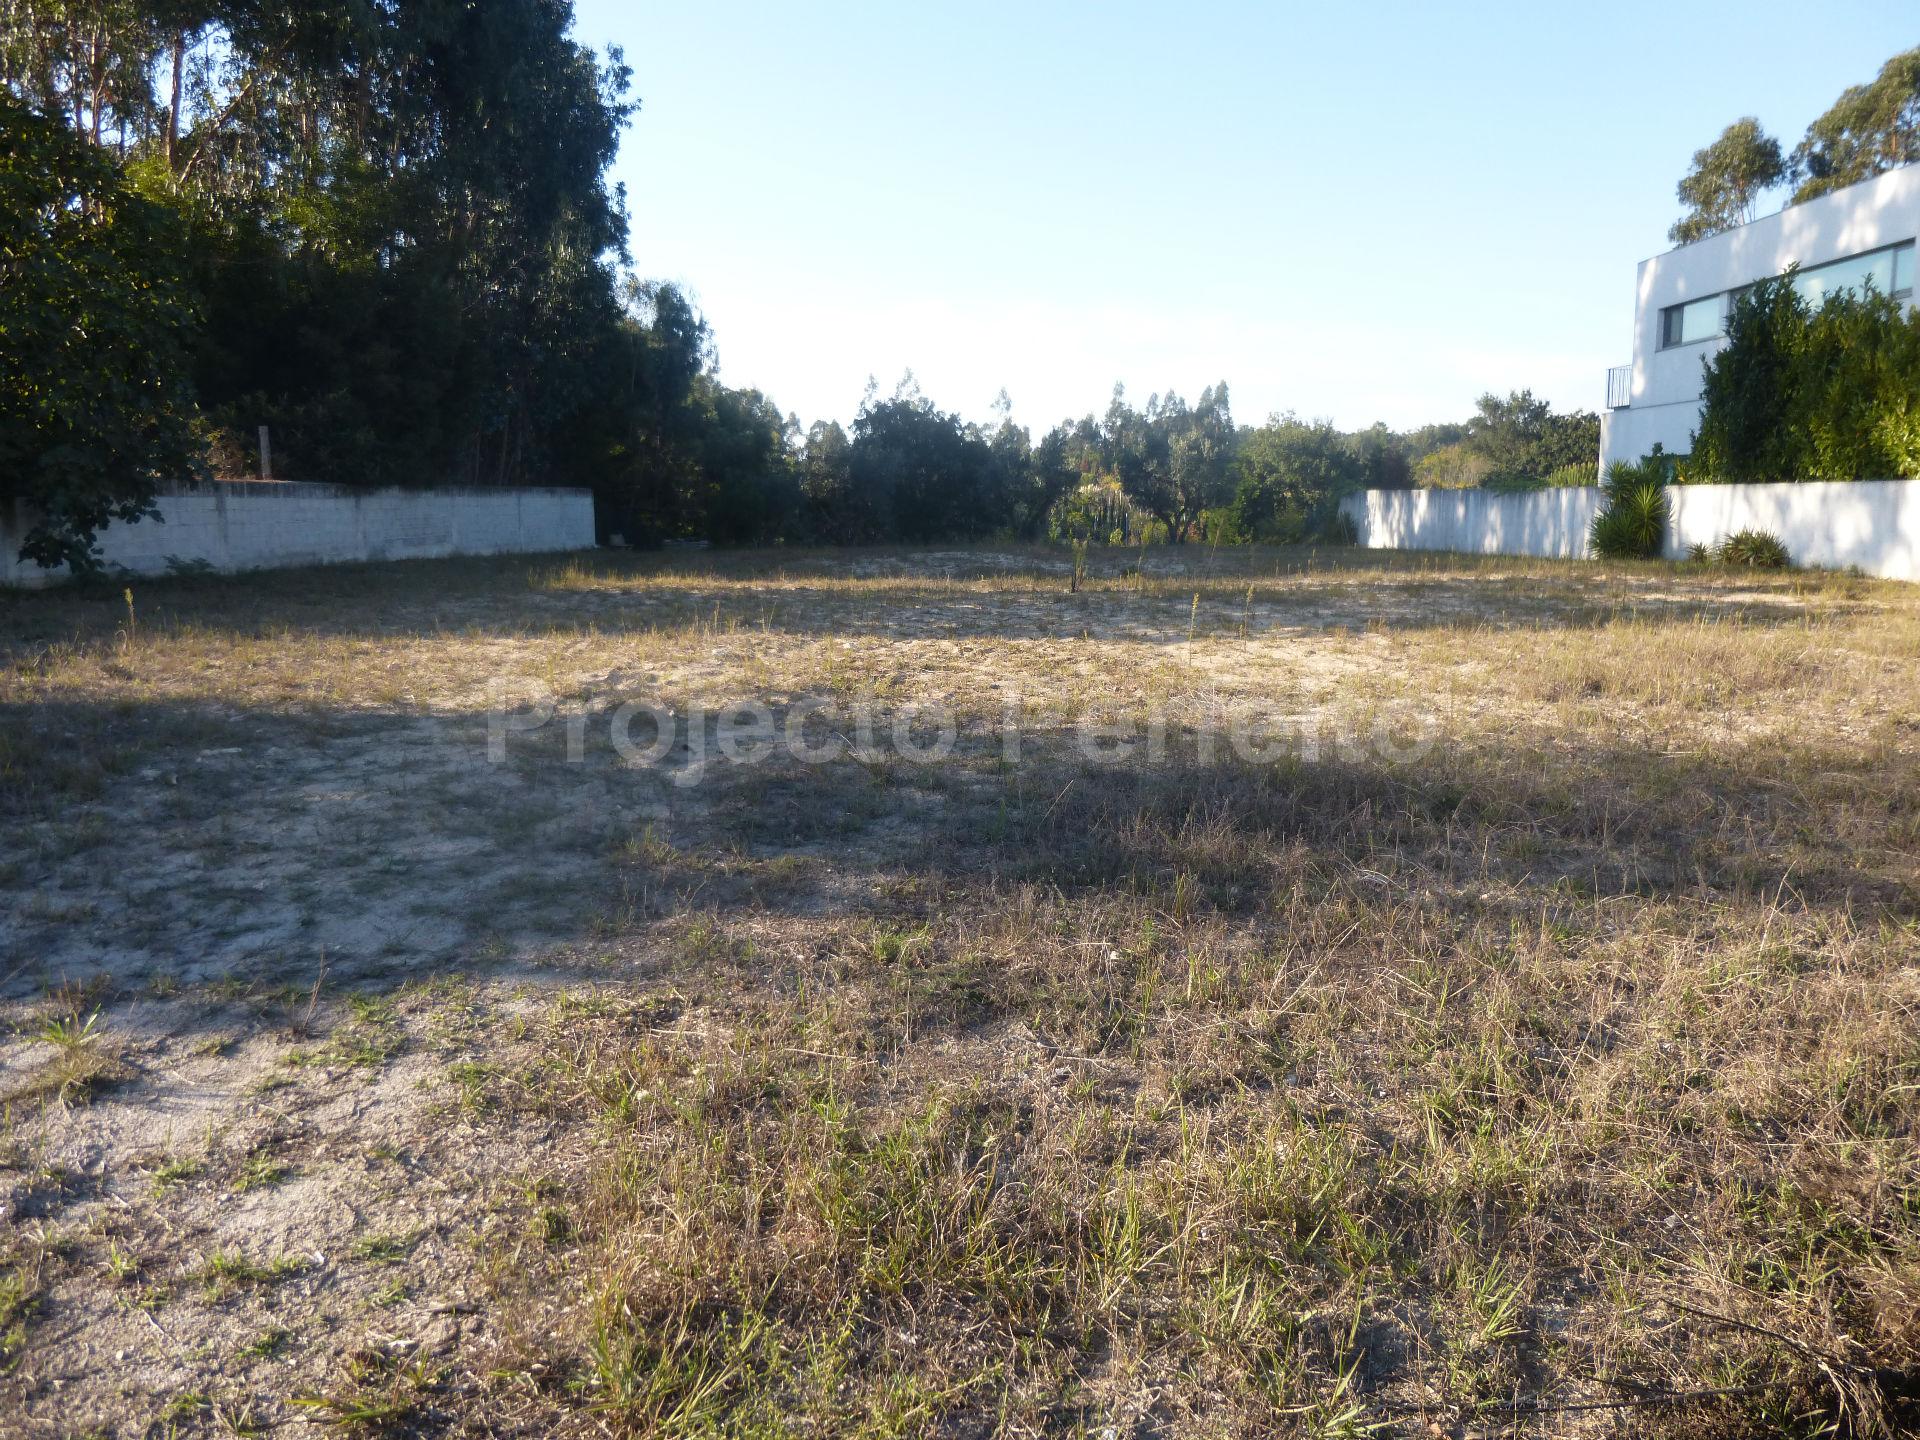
(1620, 387)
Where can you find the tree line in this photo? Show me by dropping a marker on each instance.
(385, 232)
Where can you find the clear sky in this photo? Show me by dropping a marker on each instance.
(1359, 212)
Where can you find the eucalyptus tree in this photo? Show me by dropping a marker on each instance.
(1723, 186)
(1871, 128)
(1173, 460)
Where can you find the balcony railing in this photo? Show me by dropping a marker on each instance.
(1619, 387)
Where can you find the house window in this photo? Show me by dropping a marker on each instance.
(1685, 324)
(1890, 271)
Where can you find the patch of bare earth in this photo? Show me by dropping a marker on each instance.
(1308, 993)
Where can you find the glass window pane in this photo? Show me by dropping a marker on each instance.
(1903, 268)
(1813, 284)
(1700, 320)
(1849, 274)
(1696, 320)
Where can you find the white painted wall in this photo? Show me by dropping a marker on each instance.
(1665, 399)
(1547, 523)
(262, 525)
(1832, 524)
(1872, 524)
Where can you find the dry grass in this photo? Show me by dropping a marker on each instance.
(1558, 1076)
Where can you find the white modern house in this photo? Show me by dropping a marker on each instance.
(1681, 298)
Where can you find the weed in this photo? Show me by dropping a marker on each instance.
(174, 1170)
(225, 1271)
(259, 1172)
(385, 1249)
(267, 1344)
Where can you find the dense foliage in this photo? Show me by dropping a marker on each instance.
(1632, 523)
(399, 240)
(1291, 476)
(1871, 128)
(1799, 393)
(1727, 178)
(95, 410)
(1513, 443)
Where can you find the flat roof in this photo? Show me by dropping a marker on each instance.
(1790, 205)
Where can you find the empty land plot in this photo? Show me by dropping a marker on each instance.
(1244, 992)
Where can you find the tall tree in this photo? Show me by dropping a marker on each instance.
(1291, 476)
(1382, 457)
(1202, 447)
(403, 236)
(1172, 460)
(918, 473)
(1871, 128)
(825, 477)
(1727, 178)
(1057, 465)
(95, 411)
(1521, 440)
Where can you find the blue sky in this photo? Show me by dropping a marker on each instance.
(1352, 212)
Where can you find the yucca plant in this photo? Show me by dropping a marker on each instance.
(1634, 524)
(1608, 538)
(1755, 549)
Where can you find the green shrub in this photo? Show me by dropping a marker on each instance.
(1285, 524)
(1289, 477)
(1608, 538)
(1570, 475)
(1755, 549)
(1633, 526)
(1656, 467)
(95, 333)
(1510, 482)
(1222, 527)
(1800, 393)
(1337, 529)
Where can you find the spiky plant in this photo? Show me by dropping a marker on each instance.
(1754, 549)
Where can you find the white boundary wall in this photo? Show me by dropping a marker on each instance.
(1872, 524)
(264, 525)
(1548, 523)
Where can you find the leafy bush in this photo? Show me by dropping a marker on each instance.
(1633, 524)
(1338, 529)
(1452, 467)
(1221, 526)
(1800, 393)
(1755, 549)
(1566, 476)
(1290, 475)
(95, 409)
(1511, 482)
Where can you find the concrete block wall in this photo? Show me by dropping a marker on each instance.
(263, 525)
(1871, 524)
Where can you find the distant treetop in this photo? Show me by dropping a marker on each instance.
(1869, 130)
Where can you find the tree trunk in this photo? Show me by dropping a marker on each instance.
(173, 106)
(97, 74)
